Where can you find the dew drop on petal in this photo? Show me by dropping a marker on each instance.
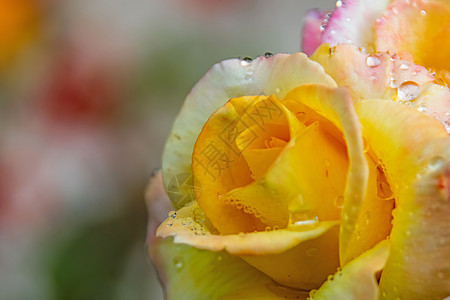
(268, 54)
(423, 13)
(404, 67)
(339, 201)
(172, 214)
(301, 116)
(408, 91)
(339, 3)
(372, 61)
(178, 262)
(245, 61)
(422, 108)
(435, 163)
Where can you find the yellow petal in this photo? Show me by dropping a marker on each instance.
(357, 279)
(231, 78)
(336, 105)
(415, 151)
(373, 223)
(191, 274)
(293, 258)
(218, 166)
(293, 186)
(419, 29)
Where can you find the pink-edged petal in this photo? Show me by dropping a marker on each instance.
(231, 78)
(312, 32)
(385, 76)
(352, 22)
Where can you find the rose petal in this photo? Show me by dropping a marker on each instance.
(191, 274)
(415, 150)
(416, 29)
(353, 22)
(218, 165)
(292, 189)
(312, 32)
(369, 76)
(357, 279)
(299, 252)
(336, 105)
(231, 78)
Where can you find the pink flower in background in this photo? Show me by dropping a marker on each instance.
(414, 29)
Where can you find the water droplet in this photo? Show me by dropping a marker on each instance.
(178, 262)
(395, 10)
(348, 19)
(245, 61)
(312, 251)
(301, 116)
(312, 293)
(300, 214)
(339, 3)
(422, 109)
(276, 227)
(383, 188)
(331, 51)
(172, 214)
(373, 77)
(423, 13)
(268, 54)
(404, 67)
(408, 91)
(330, 277)
(372, 61)
(362, 49)
(435, 163)
(268, 228)
(339, 201)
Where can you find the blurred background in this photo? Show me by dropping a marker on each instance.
(88, 92)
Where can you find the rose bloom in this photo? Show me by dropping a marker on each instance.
(415, 29)
(296, 177)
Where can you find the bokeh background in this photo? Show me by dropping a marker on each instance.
(88, 92)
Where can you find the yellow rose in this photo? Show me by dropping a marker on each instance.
(287, 182)
(414, 29)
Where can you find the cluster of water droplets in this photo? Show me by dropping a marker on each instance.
(195, 223)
